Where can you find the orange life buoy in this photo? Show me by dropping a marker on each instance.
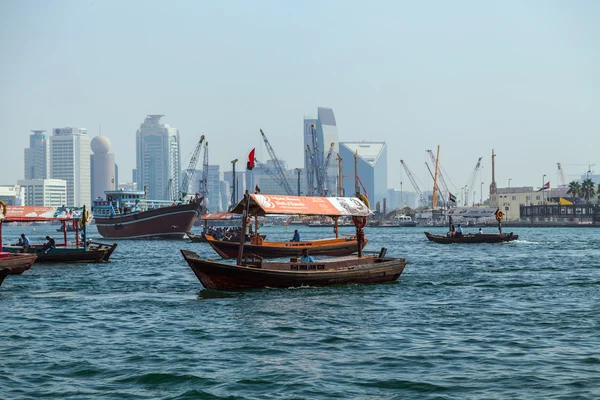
(359, 222)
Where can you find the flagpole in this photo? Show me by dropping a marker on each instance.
(543, 189)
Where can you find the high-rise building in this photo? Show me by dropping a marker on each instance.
(372, 169)
(70, 160)
(12, 195)
(44, 192)
(325, 134)
(103, 167)
(158, 158)
(213, 184)
(240, 177)
(37, 160)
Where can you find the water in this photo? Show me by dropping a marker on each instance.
(515, 320)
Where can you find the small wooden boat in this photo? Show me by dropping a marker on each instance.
(451, 237)
(16, 263)
(82, 250)
(254, 273)
(334, 247)
(251, 271)
(12, 263)
(473, 238)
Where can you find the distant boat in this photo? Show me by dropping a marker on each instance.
(473, 238)
(125, 214)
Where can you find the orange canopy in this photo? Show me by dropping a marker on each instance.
(32, 214)
(269, 204)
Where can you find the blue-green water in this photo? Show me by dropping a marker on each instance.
(517, 320)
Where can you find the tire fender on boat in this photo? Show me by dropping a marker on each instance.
(3, 204)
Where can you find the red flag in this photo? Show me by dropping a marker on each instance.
(256, 189)
(250, 163)
(546, 186)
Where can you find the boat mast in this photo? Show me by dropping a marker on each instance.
(493, 184)
(435, 188)
(356, 188)
(244, 224)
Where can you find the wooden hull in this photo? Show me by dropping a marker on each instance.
(4, 272)
(202, 239)
(326, 247)
(257, 274)
(476, 238)
(16, 263)
(170, 222)
(95, 253)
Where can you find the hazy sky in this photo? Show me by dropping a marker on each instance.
(521, 77)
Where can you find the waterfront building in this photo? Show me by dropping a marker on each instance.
(372, 169)
(103, 167)
(12, 195)
(37, 160)
(45, 192)
(397, 199)
(70, 161)
(240, 177)
(511, 199)
(158, 158)
(326, 134)
(267, 185)
(213, 183)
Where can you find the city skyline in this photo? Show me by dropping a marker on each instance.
(518, 78)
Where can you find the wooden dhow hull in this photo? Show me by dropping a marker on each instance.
(476, 238)
(200, 238)
(325, 247)
(16, 263)
(171, 222)
(95, 253)
(257, 274)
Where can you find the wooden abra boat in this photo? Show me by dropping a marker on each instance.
(451, 237)
(334, 247)
(253, 272)
(201, 238)
(82, 250)
(473, 238)
(12, 263)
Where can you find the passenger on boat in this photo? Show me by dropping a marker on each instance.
(451, 233)
(305, 257)
(296, 237)
(480, 231)
(49, 245)
(459, 231)
(23, 240)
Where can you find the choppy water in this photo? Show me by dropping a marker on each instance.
(517, 320)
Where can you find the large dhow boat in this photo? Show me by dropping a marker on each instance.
(80, 249)
(12, 263)
(477, 237)
(126, 214)
(251, 271)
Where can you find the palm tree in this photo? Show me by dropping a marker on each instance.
(587, 189)
(574, 189)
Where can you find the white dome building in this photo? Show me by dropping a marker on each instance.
(103, 167)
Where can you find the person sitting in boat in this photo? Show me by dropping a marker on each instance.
(49, 245)
(23, 240)
(451, 233)
(296, 237)
(305, 258)
(480, 231)
(459, 231)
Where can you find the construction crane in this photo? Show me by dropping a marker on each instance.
(323, 189)
(413, 181)
(589, 168)
(561, 176)
(278, 168)
(204, 180)
(189, 172)
(169, 191)
(472, 180)
(273, 175)
(445, 192)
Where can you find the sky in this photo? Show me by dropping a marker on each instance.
(519, 77)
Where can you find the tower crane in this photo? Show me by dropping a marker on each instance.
(445, 192)
(561, 176)
(204, 180)
(276, 177)
(413, 181)
(472, 180)
(324, 172)
(278, 168)
(185, 183)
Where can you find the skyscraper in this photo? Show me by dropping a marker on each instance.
(325, 134)
(158, 158)
(372, 169)
(70, 160)
(37, 160)
(103, 167)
